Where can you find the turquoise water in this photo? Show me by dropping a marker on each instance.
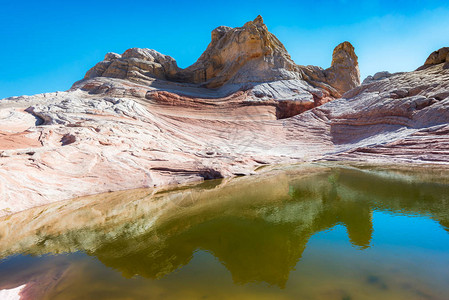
(316, 232)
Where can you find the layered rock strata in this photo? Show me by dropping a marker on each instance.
(236, 59)
(137, 120)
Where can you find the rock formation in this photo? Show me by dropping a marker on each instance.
(438, 57)
(237, 58)
(344, 73)
(137, 120)
(378, 76)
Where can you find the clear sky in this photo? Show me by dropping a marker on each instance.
(48, 45)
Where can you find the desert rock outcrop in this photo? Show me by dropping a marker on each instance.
(137, 120)
(344, 72)
(237, 58)
(438, 57)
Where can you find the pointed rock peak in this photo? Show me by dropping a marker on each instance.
(247, 53)
(344, 73)
(235, 56)
(344, 53)
(258, 21)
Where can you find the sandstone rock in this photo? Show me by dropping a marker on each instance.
(110, 56)
(134, 64)
(438, 57)
(243, 54)
(241, 57)
(120, 132)
(379, 76)
(344, 73)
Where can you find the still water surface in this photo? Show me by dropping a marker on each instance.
(312, 232)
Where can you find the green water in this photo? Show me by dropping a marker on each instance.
(311, 232)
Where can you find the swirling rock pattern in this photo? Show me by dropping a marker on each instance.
(137, 120)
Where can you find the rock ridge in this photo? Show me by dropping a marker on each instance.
(241, 55)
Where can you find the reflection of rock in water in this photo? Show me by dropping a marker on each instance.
(40, 275)
(257, 227)
(398, 194)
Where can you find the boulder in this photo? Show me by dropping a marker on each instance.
(438, 57)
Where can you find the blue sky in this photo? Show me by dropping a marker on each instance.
(48, 45)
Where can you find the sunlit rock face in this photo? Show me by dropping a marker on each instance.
(440, 56)
(344, 73)
(257, 227)
(407, 111)
(238, 58)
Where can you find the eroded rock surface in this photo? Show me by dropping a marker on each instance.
(237, 59)
(438, 57)
(137, 120)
